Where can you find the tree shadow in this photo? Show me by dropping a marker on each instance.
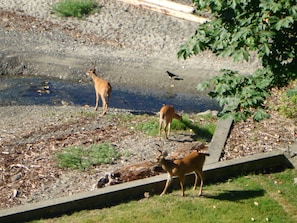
(237, 195)
(135, 112)
(200, 133)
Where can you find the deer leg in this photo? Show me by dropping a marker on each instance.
(107, 97)
(169, 124)
(97, 101)
(169, 179)
(107, 102)
(104, 105)
(182, 182)
(160, 127)
(196, 179)
(165, 130)
(201, 182)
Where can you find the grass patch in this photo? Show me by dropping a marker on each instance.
(148, 126)
(252, 198)
(151, 126)
(124, 120)
(86, 113)
(83, 158)
(288, 103)
(202, 126)
(75, 8)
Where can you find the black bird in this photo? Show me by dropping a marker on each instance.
(171, 75)
(178, 79)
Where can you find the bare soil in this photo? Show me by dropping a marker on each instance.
(133, 48)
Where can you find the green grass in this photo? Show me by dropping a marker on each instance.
(288, 104)
(202, 126)
(75, 8)
(286, 101)
(252, 198)
(151, 126)
(83, 158)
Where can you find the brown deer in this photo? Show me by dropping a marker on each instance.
(167, 113)
(102, 89)
(193, 162)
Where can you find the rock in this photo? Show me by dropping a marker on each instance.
(208, 112)
(16, 177)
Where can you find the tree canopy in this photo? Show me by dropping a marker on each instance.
(236, 28)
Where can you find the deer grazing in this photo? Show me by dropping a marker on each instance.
(167, 113)
(193, 162)
(102, 89)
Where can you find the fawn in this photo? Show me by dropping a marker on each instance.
(193, 162)
(167, 113)
(102, 89)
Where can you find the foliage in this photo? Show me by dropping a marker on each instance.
(288, 104)
(83, 158)
(258, 198)
(75, 8)
(237, 28)
(238, 94)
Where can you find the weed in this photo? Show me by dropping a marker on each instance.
(149, 126)
(288, 104)
(75, 8)
(83, 158)
(87, 113)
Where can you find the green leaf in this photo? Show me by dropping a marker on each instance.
(291, 92)
(264, 49)
(264, 83)
(239, 116)
(241, 34)
(271, 5)
(202, 86)
(260, 114)
(284, 23)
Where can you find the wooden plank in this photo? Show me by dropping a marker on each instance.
(166, 10)
(172, 5)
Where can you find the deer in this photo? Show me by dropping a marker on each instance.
(102, 89)
(192, 162)
(167, 113)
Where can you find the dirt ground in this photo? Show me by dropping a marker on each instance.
(132, 48)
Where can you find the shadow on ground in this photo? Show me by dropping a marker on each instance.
(237, 195)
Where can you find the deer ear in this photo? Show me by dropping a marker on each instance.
(165, 153)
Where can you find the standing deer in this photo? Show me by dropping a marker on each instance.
(167, 113)
(193, 162)
(102, 89)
